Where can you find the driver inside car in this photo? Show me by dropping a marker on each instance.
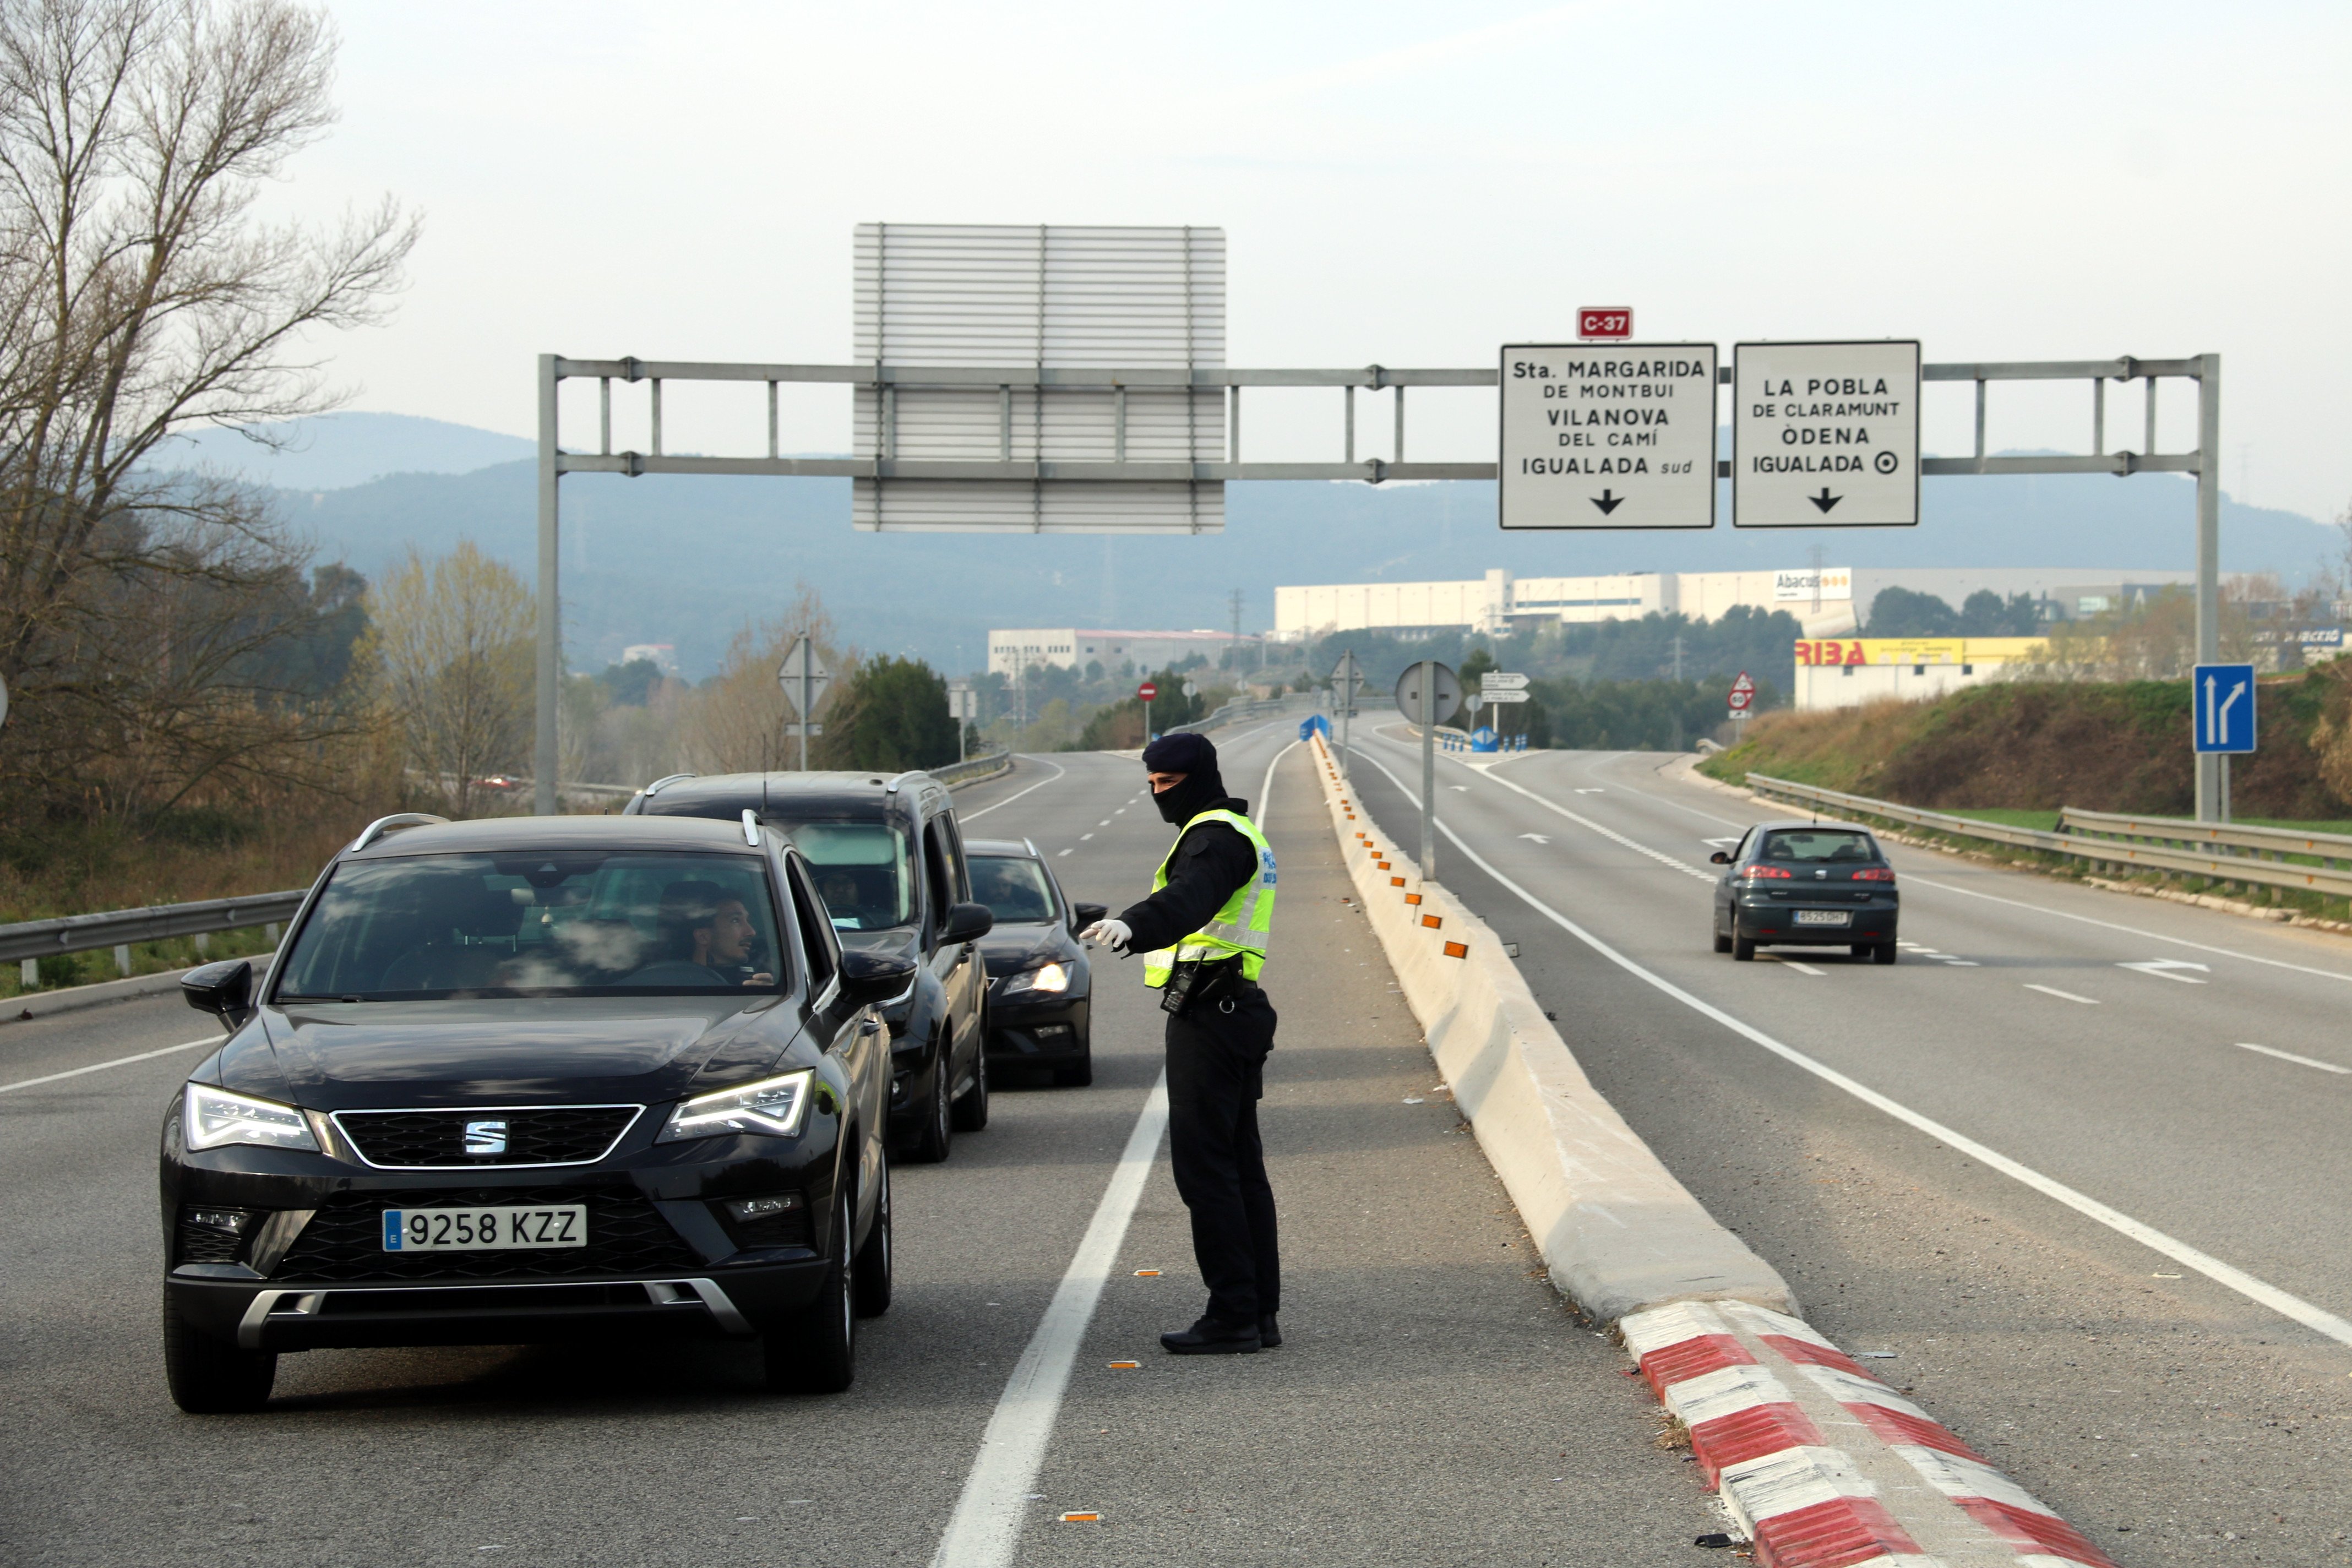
(711, 929)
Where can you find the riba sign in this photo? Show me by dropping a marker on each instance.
(1825, 435)
(1614, 437)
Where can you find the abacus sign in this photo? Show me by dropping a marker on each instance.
(1605, 322)
(1825, 435)
(1621, 435)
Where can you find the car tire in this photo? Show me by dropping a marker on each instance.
(208, 1376)
(1722, 942)
(1743, 950)
(1884, 954)
(815, 1351)
(938, 1133)
(872, 1284)
(971, 1111)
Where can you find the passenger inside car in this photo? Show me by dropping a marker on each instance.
(704, 928)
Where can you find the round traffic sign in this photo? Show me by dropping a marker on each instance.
(1436, 705)
(1742, 699)
(1148, 690)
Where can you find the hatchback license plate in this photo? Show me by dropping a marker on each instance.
(483, 1230)
(1824, 917)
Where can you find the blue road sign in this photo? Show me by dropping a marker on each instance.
(2224, 707)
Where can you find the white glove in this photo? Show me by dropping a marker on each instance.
(1111, 933)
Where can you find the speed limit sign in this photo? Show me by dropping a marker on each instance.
(1743, 692)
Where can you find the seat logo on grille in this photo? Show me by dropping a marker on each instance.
(486, 1137)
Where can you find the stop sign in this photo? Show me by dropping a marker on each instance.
(1148, 690)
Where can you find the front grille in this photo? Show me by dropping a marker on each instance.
(345, 1240)
(531, 1135)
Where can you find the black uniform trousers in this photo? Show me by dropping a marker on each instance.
(1217, 1060)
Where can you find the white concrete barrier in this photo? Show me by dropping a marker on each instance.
(1617, 1231)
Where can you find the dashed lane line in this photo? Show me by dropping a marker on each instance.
(2062, 996)
(2284, 1303)
(2291, 1057)
(1058, 771)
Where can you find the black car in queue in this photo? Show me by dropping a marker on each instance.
(1806, 884)
(889, 865)
(1040, 984)
(525, 1079)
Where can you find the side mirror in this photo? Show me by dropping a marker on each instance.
(1718, 858)
(1084, 915)
(967, 923)
(224, 989)
(869, 978)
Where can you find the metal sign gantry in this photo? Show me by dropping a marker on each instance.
(1111, 384)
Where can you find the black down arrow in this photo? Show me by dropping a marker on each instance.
(1607, 502)
(1825, 500)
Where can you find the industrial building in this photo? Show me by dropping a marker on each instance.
(1012, 650)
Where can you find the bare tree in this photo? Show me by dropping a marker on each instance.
(738, 717)
(139, 293)
(449, 648)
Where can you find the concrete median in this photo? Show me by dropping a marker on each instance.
(1617, 1231)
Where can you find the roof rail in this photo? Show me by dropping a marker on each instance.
(1030, 845)
(750, 827)
(393, 823)
(655, 787)
(892, 788)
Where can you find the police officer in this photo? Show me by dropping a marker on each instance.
(1203, 933)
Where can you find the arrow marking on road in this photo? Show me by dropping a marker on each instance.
(1825, 500)
(2162, 969)
(1536, 837)
(1606, 502)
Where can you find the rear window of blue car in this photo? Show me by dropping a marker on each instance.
(568, 922)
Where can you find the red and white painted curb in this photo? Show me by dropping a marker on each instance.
(1822, 1464)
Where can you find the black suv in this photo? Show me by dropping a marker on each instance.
(522, 1079)
(889, 864)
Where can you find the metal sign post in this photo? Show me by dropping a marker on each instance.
(804, 672)
(1347, 679)
(963, 706)
(1147, 691)
(1427, 694)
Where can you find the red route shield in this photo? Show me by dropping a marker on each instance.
(1605, 322)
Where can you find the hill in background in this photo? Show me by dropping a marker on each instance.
(687, 560)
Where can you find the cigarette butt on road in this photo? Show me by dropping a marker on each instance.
(1125, 1366)
(1082, 1518)
(1147, 1274)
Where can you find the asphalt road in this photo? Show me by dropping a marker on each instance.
(1434, 1401)
(2103, 1042)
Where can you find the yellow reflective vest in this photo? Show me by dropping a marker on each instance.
(1243, 926)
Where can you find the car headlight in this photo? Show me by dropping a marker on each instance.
(1054, 978)
(211, 1117)
(773, 1107)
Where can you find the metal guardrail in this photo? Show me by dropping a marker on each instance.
(2076, 846)
(971, 770)
(2326, 847)
(120, 928)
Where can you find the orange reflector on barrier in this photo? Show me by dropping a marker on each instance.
(1396, 881)
(1433, 921)
(1412, 898)
(1457, 950)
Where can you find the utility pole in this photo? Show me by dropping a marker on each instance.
(1237, 631)
(1820, 555)
(1678, 656)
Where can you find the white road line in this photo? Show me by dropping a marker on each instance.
(1058, 771)
(2291, 1057)
(2317, 1319)
(1083, 836)
(117, 1062)
(1800, 968)
(2134, 930)
(986, 1525)
(2062, 996)
(1059, 853)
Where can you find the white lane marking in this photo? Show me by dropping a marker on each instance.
(2062, 996)
(1800, 968)
(1083, 836)
(2135, 930)
(1536, 837)
(2162, 969)
(986, 1525)
(1105, 821)
(2291, 1057)
(1058, 771)
(117, 1062)
(2286, 1304)
(1059, 853)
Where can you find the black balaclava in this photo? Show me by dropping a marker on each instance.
(1194, 757)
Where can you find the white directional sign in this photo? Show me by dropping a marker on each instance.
(1621, 435)
(1825, 435)
(1502, 680)
(1505, 696)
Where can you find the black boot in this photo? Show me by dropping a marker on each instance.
(1268, 1336)
(1211, 1337)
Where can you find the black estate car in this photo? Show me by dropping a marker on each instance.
(1040, 985)
(889, 865)
(1806, 884)
(521, 1078)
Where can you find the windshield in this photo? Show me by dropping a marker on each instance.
(1013, 886)
(567, 923)
(864, 870)
(1819, 846)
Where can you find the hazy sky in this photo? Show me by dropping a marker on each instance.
(1408, 184)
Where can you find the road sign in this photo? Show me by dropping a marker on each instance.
(2223, 701)
(1825, 435)
(1613, 322)
(1501, 680)
(1416, 691)
(1743, 692)
(963, 703)
(1622, 436)
(1493, 697)
(1191, 689)
(803, 677)
(1477, 700)
(1148, 690)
